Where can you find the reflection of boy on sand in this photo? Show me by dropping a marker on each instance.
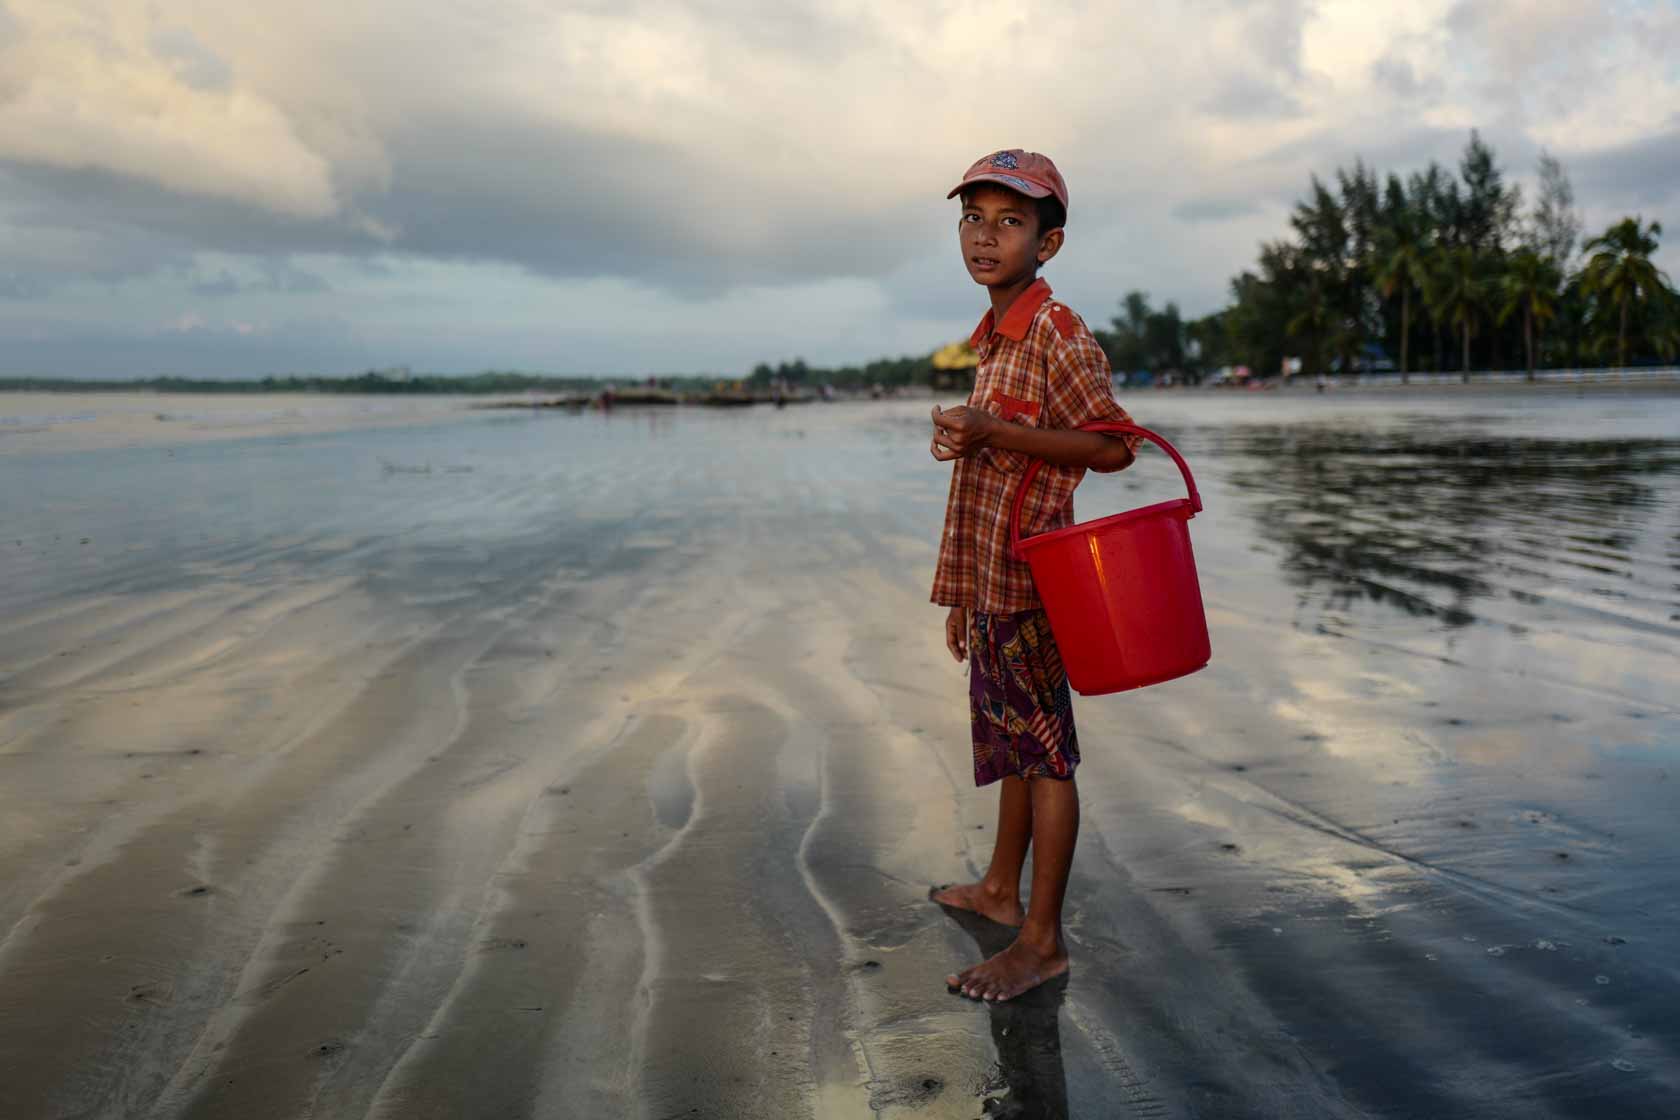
(1040, 374)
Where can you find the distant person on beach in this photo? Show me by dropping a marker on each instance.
(1041, 373)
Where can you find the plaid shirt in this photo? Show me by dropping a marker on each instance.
(1039, 366)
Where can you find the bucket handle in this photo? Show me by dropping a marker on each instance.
(1096, 426)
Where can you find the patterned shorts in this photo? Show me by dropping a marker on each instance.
(1019, 707)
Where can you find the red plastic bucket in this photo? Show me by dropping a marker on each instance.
(1121, 592)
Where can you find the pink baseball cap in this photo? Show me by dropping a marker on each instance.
(1028, 172)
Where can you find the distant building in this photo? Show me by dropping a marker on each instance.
(953, 366)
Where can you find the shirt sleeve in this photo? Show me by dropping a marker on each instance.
(1081, 388)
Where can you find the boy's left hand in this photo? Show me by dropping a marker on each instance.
(961, 431)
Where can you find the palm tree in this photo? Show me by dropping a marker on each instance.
(1665, 332)
(1530, 283)
(1458, 294)
(1402, 264)
(1620, 271)
(1315, 319)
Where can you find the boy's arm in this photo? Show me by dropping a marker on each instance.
(1080, 385)
(960, 432)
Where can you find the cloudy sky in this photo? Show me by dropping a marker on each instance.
(634, 186)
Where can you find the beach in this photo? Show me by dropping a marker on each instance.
(438, 763)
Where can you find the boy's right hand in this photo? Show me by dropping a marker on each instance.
(961, 431)
(956, 632)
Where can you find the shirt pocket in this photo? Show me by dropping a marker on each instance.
(1015, 410)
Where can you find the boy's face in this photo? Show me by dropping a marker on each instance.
(1001, 242)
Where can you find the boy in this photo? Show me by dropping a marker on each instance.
(1041, 373)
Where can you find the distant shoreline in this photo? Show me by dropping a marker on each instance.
(363, 385)
(514, 389)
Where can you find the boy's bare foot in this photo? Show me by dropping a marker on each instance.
(1005, 909)
(1019, 968)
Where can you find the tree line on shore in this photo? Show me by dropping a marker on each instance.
(375, 382)
(1452, 269)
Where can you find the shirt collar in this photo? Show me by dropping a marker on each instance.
(1017, 318)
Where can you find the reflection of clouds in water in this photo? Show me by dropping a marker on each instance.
(1468, 592)
(1342, 732)
(1553, 702)
(1197, 810)
(1616, 663)
(1370, 892)
(1446, 520)
(1295, 859)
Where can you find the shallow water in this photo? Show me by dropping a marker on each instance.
(1404, 849)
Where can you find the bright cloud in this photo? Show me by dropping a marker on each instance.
(109, 87)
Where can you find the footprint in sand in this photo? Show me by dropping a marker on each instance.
(911, 1092)
(153, 995)
(263, 991)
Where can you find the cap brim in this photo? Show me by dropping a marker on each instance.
(1013, 182)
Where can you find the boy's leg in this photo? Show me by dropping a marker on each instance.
(1037, 953)
(998, 895)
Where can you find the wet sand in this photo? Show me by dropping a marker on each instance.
(562, 766)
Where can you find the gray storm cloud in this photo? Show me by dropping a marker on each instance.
(669, 142)
(693, 148)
